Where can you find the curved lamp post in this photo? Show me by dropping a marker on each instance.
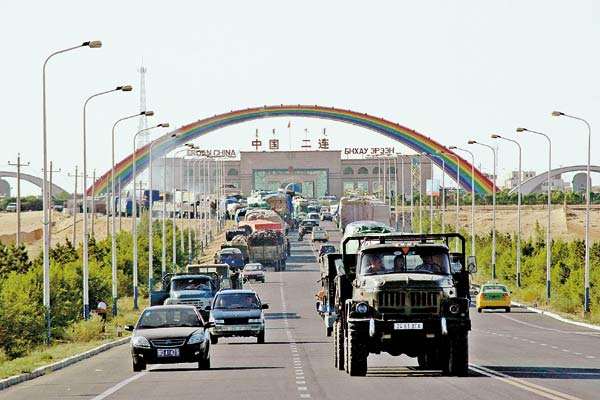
(586, 295)
(549, 229)
(94, 44)
(86, 300)
(472, 195)
(493, 206)
(113, 240)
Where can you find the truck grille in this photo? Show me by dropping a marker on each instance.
(197, 303)
(412, 301)
(167, 342)
(235, 321)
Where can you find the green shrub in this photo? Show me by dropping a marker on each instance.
(85, 331)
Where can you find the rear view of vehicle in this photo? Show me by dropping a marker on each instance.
(319, 235)
(493, 296)
(237, 313)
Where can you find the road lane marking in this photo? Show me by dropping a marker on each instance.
(522, 384)
(120, 385)
(548, 329)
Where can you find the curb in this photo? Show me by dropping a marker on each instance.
(13, 380)
(556, 316)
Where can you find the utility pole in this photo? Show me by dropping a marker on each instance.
(18, 164)
(75, 176)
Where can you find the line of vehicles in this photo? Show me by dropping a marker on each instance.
(194, 308)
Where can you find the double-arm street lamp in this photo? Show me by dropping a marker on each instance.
(94, 44)
(113, 239)
(549, 194)
(86, 300)
(493, 205)
(586, 295)
(518, 205)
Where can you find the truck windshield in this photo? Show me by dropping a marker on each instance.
(191, 284)
(168, 317)
(236, 300)
(427, 261)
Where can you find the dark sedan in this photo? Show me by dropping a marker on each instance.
(170, 334)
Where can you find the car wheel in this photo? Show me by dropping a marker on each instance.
(507, 309)
(214, 339)
(260, 339)
(138, 366)
(204, 363)
(479, 309)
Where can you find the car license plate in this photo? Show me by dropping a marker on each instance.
(405, 326)
(167, 352)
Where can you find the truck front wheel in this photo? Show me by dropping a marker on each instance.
(357, 351)
(456, 357)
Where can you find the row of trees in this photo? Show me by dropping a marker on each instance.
(504, 198)
(22, 315)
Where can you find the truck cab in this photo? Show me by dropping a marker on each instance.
(187, 288)
(401, 294)
(231, 256)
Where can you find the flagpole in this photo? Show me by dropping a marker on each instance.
(290, 133)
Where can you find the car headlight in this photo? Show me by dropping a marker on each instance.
(140, 341)
(197, 337)
(362, 308)
(255, 320)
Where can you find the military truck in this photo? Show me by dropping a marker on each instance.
(329, 263)
(186, 288)
(401, 294)
(223, 275)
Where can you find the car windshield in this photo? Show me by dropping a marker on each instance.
(415, 260)
(236, 301)
(495, 288)
(252, 267)
(168, 317)
(202, 283)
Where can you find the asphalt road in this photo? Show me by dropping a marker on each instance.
(520, 355)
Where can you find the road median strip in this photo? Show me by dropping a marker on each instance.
(16, 379)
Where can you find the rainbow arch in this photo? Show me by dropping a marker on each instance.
(414, 140)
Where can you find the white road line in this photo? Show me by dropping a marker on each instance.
(522, 384)
(119, 385)
(548, 329)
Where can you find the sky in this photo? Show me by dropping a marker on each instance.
(452, 70)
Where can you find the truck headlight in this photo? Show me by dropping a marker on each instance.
(140, 341)
(197, 337)
(362, 308)
(255, 321)
(454, 308)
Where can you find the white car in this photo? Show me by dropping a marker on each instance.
(319, 234)
(254, 271)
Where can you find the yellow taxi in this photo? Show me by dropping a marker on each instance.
(493, 296)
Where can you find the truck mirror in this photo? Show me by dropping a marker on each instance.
(265, 307)
(207, 308)
(472, 264)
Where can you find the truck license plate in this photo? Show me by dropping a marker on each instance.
(167, 352)
(408, 326)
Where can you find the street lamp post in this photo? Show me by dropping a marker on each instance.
(518, 206)
(548, 228)
(173, 216)
(150, 203)
(430, 192)
(46, 224)
(493, 206)
(420, 194)
(472, 196)
(457, 228)
(443, 192)
(586, 295)
(113, 239)
(86, 300)
(134, 216)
